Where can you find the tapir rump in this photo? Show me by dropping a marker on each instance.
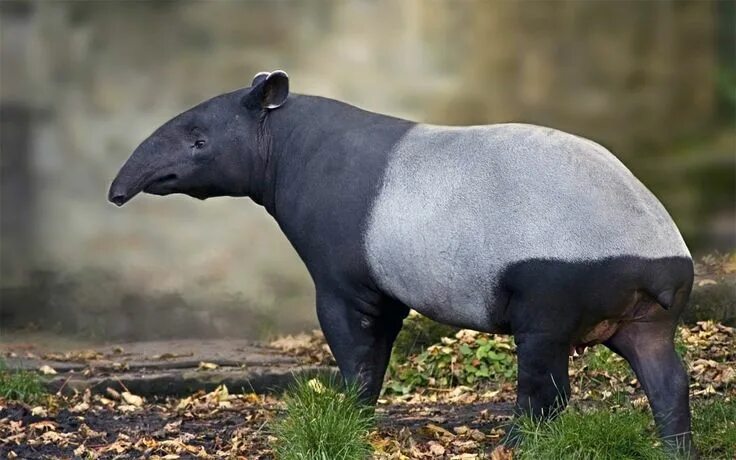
(505, 228)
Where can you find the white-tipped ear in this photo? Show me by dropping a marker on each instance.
(259, 77)
(268, 91)
(275, 89)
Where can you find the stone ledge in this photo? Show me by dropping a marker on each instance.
(167, 368)
(256, 380)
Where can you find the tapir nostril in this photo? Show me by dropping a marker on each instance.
(118, 199)
(117, 195)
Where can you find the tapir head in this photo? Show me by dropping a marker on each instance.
(213, 149)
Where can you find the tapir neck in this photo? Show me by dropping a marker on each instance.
(325, 164)
(308, 129)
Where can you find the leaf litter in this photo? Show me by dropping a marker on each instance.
(430, 420)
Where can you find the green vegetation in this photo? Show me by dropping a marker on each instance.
(714, 428)
(591, 435)
(602, 360)
(611, 421)
(417, 334)
(17, 385)
(726, 86)
(604, 433)
(680, 345)
(466, 359)
(323, 422)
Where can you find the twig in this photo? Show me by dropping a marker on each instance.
(122, 384)
(58, 392)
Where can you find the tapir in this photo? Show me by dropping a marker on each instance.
(504, 228)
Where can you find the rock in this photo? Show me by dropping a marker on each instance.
(713, 298)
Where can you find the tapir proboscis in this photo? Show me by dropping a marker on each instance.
(505, 228)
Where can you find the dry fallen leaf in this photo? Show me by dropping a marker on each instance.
(312, 347)
(436, 448)
(45, 425)
(502, 453)
(125, 408)
(83, 452)
(132, 399)
(728, 375)
(39, 411)
(438, 431)
(113, 393)
(184, 403)
(205, 366)
(316, 386)
(47, 370)
(81, 407)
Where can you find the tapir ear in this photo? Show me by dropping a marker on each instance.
(259, 77)
(275, 90)
(268, 91)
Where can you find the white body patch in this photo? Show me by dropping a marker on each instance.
(458, 205)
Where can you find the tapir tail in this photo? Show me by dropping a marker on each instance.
(665, 298)
(672, 286)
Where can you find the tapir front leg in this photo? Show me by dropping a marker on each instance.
(543, 387)
(543, 382)
(361, 337)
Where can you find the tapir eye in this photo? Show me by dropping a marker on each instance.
(198, 144)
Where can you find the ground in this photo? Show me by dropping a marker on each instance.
(107, 419)
(210, 428)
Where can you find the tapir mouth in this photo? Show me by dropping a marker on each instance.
(161, 185)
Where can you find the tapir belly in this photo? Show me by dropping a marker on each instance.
(458, 207)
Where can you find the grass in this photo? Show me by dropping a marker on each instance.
(323, 422)
(714, 428)
(590, 435)
(20, 386)
(603, 434)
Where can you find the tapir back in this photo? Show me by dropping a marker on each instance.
(458, 206)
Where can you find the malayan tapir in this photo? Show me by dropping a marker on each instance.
(506, 228)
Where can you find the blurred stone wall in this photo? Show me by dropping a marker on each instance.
(103, 75)
(629, 74)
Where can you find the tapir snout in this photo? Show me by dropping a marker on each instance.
(149, 169)
(125, 186)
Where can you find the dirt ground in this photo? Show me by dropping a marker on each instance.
(114, 409)
(172, 399)
(209, 429)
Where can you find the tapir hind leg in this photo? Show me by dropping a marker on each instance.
(361, 337)
(648, 346)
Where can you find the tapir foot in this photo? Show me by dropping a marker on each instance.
(360, 337)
